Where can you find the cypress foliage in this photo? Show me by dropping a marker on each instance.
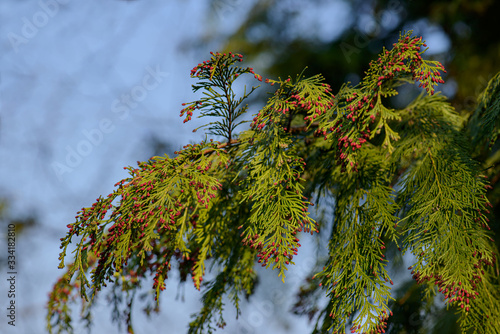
(404, 178)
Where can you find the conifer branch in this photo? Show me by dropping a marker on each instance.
(485, 122)
(404, 177)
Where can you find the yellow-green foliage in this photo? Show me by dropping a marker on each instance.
(404, 177)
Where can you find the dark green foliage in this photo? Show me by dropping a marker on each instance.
(485, 123)
(399, 178)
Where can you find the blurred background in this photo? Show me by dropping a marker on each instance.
(87, 88)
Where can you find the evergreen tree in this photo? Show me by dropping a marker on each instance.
(402, 179)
